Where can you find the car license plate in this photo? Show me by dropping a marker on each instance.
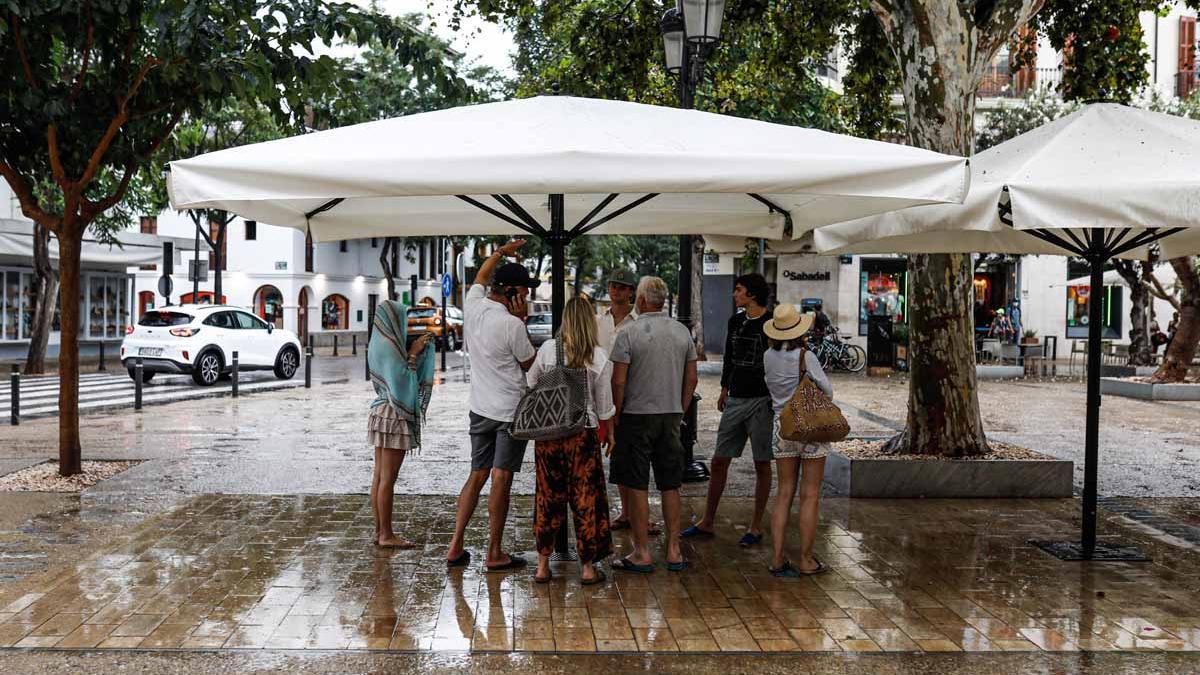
(150, 351)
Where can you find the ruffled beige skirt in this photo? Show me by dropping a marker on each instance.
(385, 429)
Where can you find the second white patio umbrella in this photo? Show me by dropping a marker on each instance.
(1105, 181)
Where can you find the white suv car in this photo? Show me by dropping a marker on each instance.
(200, 340)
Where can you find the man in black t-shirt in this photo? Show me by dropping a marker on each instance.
(745, 406)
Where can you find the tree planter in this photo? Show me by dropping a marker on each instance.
(1150, 392)
(884, 478)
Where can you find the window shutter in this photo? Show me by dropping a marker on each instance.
(1187, 56)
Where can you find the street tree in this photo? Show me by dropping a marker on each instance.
(93, 89)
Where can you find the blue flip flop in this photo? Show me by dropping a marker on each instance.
(750, 539)
(677, 566)
(694, 532)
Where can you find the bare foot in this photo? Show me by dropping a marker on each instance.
(394, 542)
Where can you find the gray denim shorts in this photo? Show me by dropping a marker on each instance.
(745, 419)
(492, 447)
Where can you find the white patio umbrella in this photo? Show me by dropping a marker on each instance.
(1106, 181)
(491, 168)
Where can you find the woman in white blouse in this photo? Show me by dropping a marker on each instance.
(796, 462)
(571, 470)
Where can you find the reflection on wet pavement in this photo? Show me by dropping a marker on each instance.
(299, 572)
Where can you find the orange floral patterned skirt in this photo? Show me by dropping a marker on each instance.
(570, 471)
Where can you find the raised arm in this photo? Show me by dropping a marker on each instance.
(488, 268)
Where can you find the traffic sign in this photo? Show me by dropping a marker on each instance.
(165, 286)
(447, 285)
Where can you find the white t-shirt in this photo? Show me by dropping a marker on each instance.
(600, 401)
(498, 345)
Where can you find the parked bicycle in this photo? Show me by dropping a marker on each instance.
(836, 353)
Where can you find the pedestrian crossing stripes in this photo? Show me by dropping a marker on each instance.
(103, 391)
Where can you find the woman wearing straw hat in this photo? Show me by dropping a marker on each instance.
(786, 346)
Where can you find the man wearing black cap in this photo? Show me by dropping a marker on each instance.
(494, 324)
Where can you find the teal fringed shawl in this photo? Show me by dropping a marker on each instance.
(406, 389)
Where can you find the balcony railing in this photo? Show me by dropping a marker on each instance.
(1187, 82)
(1001, 83)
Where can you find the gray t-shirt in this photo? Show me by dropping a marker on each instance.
(657, 349)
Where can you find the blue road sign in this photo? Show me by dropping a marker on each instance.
(447, 285)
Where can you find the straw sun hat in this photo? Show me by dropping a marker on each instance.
(788, 323)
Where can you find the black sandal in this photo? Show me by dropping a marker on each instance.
(461, 561)
(598, 579)
(514, 562)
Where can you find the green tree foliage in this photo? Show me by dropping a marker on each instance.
(1038, 107)
(93, 88)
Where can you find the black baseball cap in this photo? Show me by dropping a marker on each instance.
(515, 274)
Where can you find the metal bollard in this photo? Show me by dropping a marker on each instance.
(308, 366)
(235, 373)
(137, 383)
(354, 345)
(335, 344)
(15, 378)
(101, 366)
(366, 365)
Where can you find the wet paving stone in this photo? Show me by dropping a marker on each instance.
(298, 572)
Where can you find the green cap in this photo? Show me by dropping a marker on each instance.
(623, 277)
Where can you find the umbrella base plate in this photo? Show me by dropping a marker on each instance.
(1073, 551)
(695, 472)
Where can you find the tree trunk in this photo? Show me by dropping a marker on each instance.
(69, 448)
(943, 48)
(1140, 351)
(387, 260)
(698, 295)
(1186, 338)
(45, 290)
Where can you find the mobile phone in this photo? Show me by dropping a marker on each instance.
(511, 294)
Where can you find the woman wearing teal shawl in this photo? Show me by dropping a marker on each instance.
(403, 380)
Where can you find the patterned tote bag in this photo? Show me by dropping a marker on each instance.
(556, 406)
(810, 416)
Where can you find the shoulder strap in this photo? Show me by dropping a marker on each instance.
(558, 356)
(803, 362)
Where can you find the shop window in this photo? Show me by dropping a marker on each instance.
(883, 290)
(308, 252)
(268, 304)
(343, 246)
(1079, 299)
(335, 313)
(251, 230)
(106, 308)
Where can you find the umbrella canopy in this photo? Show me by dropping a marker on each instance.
(1105, 181)
(1104, 166)
(432, 173)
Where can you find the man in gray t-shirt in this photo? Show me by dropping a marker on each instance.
(654, 377)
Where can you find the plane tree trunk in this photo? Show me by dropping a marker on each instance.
(1186, 338)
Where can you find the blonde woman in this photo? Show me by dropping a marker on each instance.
(571, 470)
(796, 462)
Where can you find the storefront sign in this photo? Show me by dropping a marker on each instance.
(281, 265)
(807, 276)
(712, 263)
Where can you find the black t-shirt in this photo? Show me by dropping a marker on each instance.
(745, 343)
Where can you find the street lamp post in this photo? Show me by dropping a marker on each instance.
(690, 31)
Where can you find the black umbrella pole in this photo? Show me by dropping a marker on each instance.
(558, 299)
(1092, 436)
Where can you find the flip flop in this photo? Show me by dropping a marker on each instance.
(677, 566)
(821, 569)
(514, 562)
(750, 539)
(461, 561)
(694, 532)
(406, 546)
(598, 579)
(543, 580)
(627, 565)
(785, 571)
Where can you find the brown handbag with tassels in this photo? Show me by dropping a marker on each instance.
(810, 416)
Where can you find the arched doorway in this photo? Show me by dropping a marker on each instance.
(305, 299)
(335, 312)
(268, 304)
(202, 298)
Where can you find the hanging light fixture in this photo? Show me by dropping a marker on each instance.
(702, 20)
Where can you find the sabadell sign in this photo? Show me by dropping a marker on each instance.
(806, 276)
